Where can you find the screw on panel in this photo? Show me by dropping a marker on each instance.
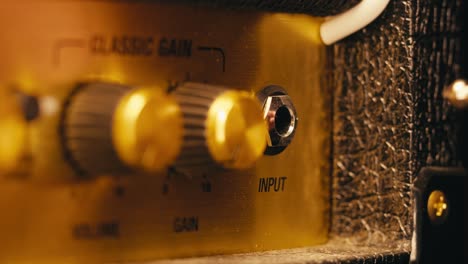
(437, 207)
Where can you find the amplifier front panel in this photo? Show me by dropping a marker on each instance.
(51, 214)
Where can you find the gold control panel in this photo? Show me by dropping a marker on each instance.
(135, 131)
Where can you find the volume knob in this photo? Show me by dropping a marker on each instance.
(112, 128)
(13, 133)
(222, 126)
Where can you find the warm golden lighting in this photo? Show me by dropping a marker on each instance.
(12, 133)
(457, 93)
(440, 207)
(306, 26)
(12, 142)
(54, 215)
(147, 129)
(236, 130)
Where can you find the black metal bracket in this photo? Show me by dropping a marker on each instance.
(439, 216)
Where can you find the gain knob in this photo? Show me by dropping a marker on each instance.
(222, 127)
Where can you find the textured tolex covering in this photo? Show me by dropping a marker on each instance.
(313, 7)
(390, 119)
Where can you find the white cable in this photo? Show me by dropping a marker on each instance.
(340, 26)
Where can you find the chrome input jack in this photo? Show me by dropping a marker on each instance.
(281, 117)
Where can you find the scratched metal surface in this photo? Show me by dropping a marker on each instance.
(390, 119)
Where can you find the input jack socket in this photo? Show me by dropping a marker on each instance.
(281, 117)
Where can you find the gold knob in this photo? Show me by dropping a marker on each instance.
(12, 142)
(235, 130)
(147, 129)
(222, 126)
(12, 134)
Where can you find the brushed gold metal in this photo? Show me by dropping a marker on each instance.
(147, 129)
(236, 131)
(51, 216)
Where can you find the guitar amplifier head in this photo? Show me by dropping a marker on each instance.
(223, 131)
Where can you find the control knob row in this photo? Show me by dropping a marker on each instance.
(112, 128)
